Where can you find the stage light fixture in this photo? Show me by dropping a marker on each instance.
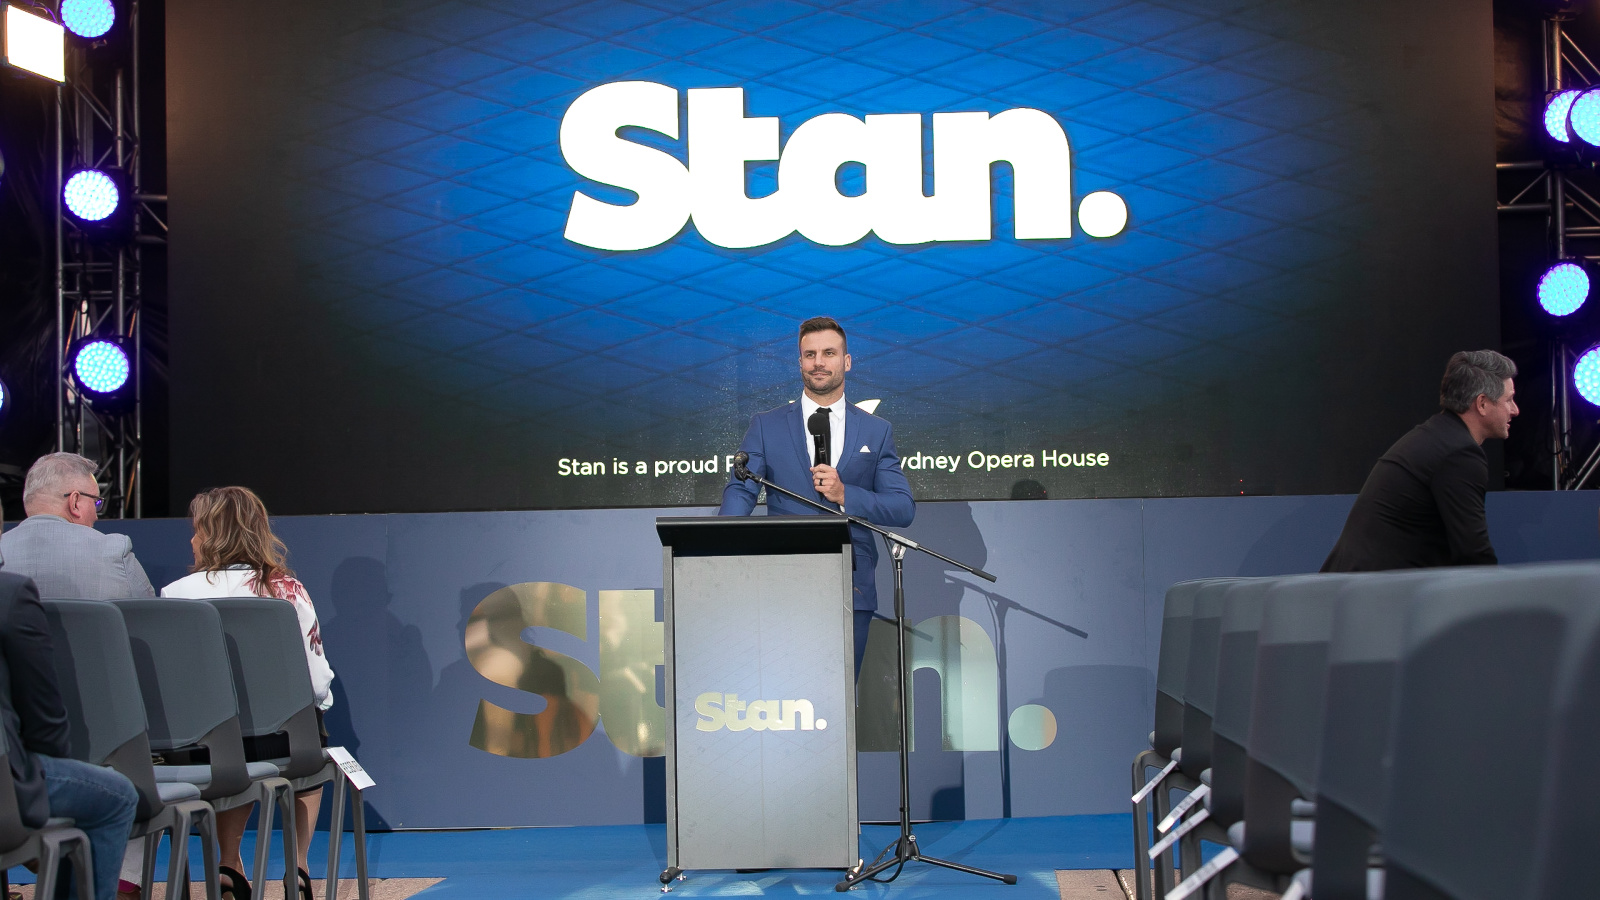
(88, 18)
(5, 399)
(102, 368)
(1556, 110)
(1586, 375)
(91, 195)
(35, 44)
(1563, 288)
(1584, 118)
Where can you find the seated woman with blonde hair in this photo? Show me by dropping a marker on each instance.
(237, 555)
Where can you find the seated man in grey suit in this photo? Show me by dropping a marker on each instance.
(57, 545)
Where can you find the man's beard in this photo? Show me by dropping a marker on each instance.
(832, 384)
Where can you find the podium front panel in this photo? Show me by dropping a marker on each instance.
(762, 754)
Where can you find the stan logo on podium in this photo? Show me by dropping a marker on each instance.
(719, 711)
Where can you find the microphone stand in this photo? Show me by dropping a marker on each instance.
(905, 847)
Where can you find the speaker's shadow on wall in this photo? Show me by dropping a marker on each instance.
(366, 640)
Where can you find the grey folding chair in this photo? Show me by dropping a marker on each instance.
(187, 685)
(106, 721)
(51, 845)
(1167, 737)
(1473, 729)
(1230, 723)
(1199, 704)
(1570, 830)
(273, 682)
(1286, 720)
(1352, 776)
(1241, 604)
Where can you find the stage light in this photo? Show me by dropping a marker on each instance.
(1556, 110)
(1586, 375)
(5, 399)
(102, 368)
(88, 18)
(1584, 118)
(91, 195)
(1563, 288)
(35, 44)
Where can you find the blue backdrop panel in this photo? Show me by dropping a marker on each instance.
(1074, 619)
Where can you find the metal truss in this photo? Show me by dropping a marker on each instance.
(1567, 194)
(98, 279)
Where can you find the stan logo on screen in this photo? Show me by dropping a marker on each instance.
(719, 711)
(721, 140)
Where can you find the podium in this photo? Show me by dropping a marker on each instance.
(760, 693)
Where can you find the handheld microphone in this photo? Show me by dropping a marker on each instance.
(820, 433)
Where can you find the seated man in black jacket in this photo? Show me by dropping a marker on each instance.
(1423, 503)
(48, 783)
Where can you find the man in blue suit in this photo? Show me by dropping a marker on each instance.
(863, 476)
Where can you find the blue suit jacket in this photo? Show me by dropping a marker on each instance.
(874, 487)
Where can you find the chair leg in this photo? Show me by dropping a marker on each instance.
(1165, 873)
(291, 843)
(358, 812)
(1141, 831)
(147, 875)
(330, 885)
(178, 862)
(49, 870)
(83, 861)
(202, 818)
(266, 808)
(74, 847)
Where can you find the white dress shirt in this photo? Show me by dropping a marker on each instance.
(835, 428)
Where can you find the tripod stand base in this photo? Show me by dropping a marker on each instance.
(906, 850)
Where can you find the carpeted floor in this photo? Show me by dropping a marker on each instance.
(1048, 856)
(378, 888)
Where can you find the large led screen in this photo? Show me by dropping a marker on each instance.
(439, 254)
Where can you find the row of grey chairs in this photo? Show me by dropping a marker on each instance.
(194, 679)
(1410, 735)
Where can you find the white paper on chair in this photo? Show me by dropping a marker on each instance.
(1188, 803)
(357, 776)
(1204, 874)
(1177, 834)
(1151, 784)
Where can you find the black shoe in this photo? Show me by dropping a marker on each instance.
(235, 887)
(305, 884)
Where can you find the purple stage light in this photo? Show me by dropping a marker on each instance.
(1556, 111)
(1563, 288)
(88, 18)
(1584, 119)
(91, 195)
(1586, 375)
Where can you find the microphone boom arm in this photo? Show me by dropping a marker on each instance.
(743, 473)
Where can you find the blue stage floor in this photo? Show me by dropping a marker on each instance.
(625, 860)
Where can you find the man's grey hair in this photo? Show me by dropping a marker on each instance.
(56, 474)
(1473, 372)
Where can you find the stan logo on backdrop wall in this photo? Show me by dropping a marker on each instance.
(721, 139)
(632, 649)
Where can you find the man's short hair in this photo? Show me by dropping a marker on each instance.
(823, 323)
(56, 474)
(1473, 372)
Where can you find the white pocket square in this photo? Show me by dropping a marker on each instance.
(864, 449)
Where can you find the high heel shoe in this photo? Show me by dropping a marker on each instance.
(237, 887)
(305, 884)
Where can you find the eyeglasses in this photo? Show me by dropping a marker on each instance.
(99, 502)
